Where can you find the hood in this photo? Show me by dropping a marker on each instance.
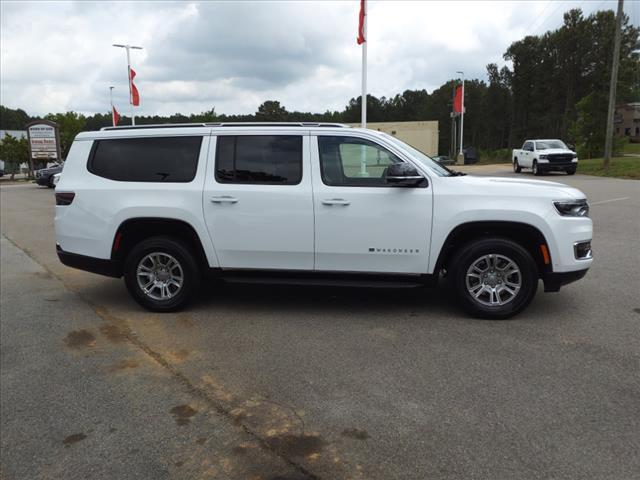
(551, 151)
(525, 188)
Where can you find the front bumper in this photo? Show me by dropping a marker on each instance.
(43, 180)
(547, 167)
(109, 268)
(554, 280)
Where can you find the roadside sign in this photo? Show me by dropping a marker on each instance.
(44, 142)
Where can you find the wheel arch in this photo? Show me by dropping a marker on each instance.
(133, 230)
(530, 237)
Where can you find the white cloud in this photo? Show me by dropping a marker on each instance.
(57, 56)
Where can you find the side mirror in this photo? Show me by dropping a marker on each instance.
(403, 175)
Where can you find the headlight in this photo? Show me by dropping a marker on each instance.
(572, 208)
(543, 156)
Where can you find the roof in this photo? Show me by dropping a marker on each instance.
(228, 124)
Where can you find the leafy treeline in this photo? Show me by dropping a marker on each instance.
(557, 87)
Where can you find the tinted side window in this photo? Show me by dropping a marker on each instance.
(259, 159)
(355, 162)
(153, 159)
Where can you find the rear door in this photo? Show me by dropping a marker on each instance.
(257, 200)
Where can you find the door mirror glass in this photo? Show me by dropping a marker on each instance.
(404, 175)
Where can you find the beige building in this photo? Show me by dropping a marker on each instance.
(626, 121)
(420, 135)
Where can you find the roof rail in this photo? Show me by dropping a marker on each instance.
(229, 124)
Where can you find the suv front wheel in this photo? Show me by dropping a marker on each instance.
(161, 274)
(494, 278)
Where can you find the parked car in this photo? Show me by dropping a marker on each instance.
(44, 176)
(56, 179)
(308, 204)
(543, 156)
(444, 160)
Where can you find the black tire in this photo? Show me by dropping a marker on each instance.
(191, 274)
(571, 171)
(50, 182)
(516, 166)
(534, 168)
(474, 251)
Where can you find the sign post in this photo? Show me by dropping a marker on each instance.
(44, 142)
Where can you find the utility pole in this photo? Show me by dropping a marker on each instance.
(127, 48)
(608, 141)
(461, 154)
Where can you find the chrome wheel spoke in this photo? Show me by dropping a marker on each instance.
(493, 280)
(160, 276)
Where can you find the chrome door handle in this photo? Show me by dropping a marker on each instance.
(336, 201)
(224, 199)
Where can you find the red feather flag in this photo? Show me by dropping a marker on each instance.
(363, 12)
(135, 96)
(457, 100)
(115, 116)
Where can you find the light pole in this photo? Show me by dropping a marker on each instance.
(462, 116)
(127, 48)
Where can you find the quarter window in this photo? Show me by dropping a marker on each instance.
(152, 159)
(259, 159)
(355, 162)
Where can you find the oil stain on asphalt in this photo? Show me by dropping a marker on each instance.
(80, 339)
(75, 438)
(183, 414)
(296, 445)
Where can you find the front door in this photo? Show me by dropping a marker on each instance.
(363, 224)
(257, 201)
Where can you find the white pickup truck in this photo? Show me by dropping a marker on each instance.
(543, 156)
(163, 206)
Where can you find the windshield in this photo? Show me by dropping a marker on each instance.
(434, 166)
(547, 144)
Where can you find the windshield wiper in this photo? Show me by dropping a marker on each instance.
(453, 173)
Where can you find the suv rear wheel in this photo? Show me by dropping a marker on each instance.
(161, 274)
(494, 278)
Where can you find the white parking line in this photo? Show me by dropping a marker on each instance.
(607, 201)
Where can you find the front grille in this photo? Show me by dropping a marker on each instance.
(560, 157)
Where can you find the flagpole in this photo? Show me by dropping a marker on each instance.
(462, 115)
(127, 48)
(364, 69)
(363, 98)
(113, 118)
(133, 115)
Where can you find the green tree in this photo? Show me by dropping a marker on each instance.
(11, 119)
(14, 152)
(271, 111)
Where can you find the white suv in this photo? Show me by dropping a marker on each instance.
(307, 203)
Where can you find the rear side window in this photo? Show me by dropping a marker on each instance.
(153, 159)
(259, 159)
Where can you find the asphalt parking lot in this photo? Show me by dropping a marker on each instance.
(304, 383)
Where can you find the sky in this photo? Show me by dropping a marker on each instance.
(232, 56)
